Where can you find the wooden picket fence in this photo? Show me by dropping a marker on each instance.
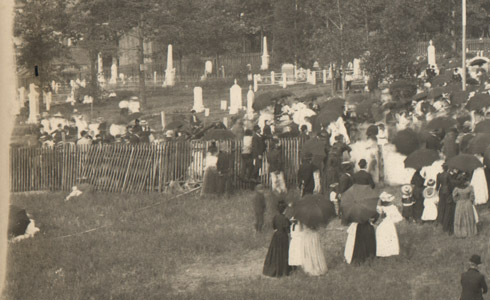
(130, 168)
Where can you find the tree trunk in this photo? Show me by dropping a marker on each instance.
(93, 74)
(141, 60)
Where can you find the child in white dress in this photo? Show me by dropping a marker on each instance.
(431, 198)
(386, 235)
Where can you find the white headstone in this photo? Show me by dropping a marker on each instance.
(288, 69)
(284, 81)
(357, 68)
(265, 56)
(155, 77)
(431, 54)
(324, 73)
(100, 68)
(225, 121)
(250, 102)
(170, 71)
(113, 79)
(208, 67)
(235, 98)
(273, 77)
(162, 117)
(256, 85)
(330, 72)
(47, 100)
(198, 102)
(53, 86)
(33, 104)
(316, 65)
(308, 75)
(22, 96)
(313, 77)
(206, 112)
(224, 104)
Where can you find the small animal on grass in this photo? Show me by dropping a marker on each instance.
(174, 188)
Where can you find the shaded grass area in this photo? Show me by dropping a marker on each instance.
(205, 248)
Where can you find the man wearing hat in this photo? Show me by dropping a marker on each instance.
(407, 201)
(473, 282)
(345, 178)
(362, 176)
(306, 178)
(258, 149)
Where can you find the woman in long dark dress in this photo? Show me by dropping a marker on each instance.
(442, 185)
(448, 183)
(417, 195)
(276, 262)
(365, 243)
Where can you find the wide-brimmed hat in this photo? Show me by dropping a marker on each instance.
(429, 192)
(407, 190)
(476, 259)
(431, 182)
(386, 197)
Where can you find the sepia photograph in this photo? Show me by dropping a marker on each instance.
(245, 149)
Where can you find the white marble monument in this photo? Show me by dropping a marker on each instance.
(33, 104)
(250, 103)
(431, 54)
(113, 79)
(170, 71)
(265, 56)
(198, 102)
(235, 98)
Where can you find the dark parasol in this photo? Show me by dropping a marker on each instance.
(483, 127)
(359, 204)
(459, 97)
(218, 134)
(441, 123)
(421, 96)
(314, 146)
(478, 62)
(406, 141)
(421, 158)
(464, 162)
(314, 211)
(479, 143)
(478, 102)
(262, 100)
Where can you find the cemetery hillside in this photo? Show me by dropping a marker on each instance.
(249, 149)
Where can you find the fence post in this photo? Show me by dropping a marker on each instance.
(273, 77)
(324, 76)
(256, 87)
(284, 80)
(162, 116)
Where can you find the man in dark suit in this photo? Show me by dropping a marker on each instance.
(306, 178)
(363, 177)
(258, 149)
(345, 179)
(473, 283)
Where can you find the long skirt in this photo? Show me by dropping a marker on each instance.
(387, 239)
(441, 206)
(365, 243)
(448, 217)
(418, 206)
(313, 260)
(296, 251)
(276, 261)
(210, 181)
(479, 183)
(464, 219)
(430, 209)
(225, 184)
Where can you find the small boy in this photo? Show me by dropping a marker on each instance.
(407, 201)
(259, 207)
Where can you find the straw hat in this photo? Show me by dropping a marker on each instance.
(431, 182)
(386, 197)
(429, 192)
(407, 190)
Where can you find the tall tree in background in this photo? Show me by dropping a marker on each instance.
(257, 19)
(41, 37)
(284, 31)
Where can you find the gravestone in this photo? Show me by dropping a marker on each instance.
(48, 99)
(33, 104)
(431, 54)
(224, 105)
(265, 56)
(100, 69)
(235, 98)
(113, 79)
(170, 71)
(250, 102)
(288, 69)
(198, 102)
(357, 68)
(208, 67)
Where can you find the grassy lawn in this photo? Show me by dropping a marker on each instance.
(205, 248)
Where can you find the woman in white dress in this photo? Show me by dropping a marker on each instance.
(314, 263)
(479, 183)
(211, 176)
(431, 199)
(386, 235)
(296, 252)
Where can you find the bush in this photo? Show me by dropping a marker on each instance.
(403, 89)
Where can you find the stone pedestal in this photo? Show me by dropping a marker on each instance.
(208, 67)
(170, 71)
(198, 102)
(431, 54)
(265, 56)
(235, 98)
(33, 104)
(250, 102)
(113, 79)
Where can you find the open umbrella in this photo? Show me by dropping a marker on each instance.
(175, 124)
(465, 141)
(372, 130)
(326, 117)
(218, 134)
(262, 100)
(421, 158)
(464, 162)
(314, 146)
(421, 96)
(439, 80)
(453, 87)
(358, 204)
(483, 127)
(459, 97)
(437, 92)
(334, 104)
(478, 62)
(406, 141)
(479, 143)
(314, 211)
(478, 102)
(310, 96)
(441, 123)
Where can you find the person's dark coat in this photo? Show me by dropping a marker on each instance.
(306, 178)
(345, 182)
(417, 195)
(449, 146)
(275, 160)
(258, 145)
(364, 178)
(474, 285)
